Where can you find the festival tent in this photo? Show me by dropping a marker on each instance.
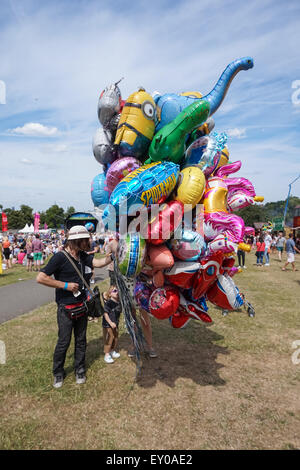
(27, 229)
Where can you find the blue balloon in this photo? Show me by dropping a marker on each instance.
(99, 193)
(149, 184)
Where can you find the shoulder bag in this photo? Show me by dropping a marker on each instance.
(93, 303)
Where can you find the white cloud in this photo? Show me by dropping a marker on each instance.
(34, 129)
(236, 132)
(26, 161)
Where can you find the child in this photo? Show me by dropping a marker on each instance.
(110, 323)
(260, 249)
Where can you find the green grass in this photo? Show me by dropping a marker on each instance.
(226, 385)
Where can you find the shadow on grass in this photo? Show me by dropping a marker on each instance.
(189, 354)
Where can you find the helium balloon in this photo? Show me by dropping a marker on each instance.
(142, 294)
(163, 226)
(189, 247)
(164, 302)
(206, 152)
(136, 126)
(159, 257)
(131, 254)
(211, 266)
(103, 148)
(168, 106)
(169, 142)
(99, 192)
(194, 310)
(149, 184)
(180, 319)
(224, 294)
(109, 104)
(119, 169)
(191, 186)
(182, 273)
(90, 226)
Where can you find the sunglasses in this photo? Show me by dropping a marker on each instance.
(114, 290)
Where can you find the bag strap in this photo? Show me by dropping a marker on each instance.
(78, 272)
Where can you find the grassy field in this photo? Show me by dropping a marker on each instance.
(228, 385)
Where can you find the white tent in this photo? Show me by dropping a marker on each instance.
(27, 229)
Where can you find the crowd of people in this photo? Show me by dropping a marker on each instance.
(265, 242)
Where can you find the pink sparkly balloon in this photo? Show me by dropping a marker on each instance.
(119, 169)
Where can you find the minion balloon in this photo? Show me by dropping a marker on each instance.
(136, 126)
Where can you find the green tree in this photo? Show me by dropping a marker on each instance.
(55, 216)
(70, 210)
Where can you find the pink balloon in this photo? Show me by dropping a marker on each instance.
(119, 169)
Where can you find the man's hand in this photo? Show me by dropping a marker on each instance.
(73, 287)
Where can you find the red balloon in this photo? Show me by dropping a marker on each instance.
(164, 302)
(166, 222)
(206, 276)
(180, 319)
(182, 274)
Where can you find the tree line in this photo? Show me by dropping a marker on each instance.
(54, 217)
(269, 211)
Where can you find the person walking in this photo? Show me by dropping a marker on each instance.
(29, 254)
(268, 242)
(6, 245)
(260, 249)
(37, 249)
(70, 294)
(280, 245)
(291, 249)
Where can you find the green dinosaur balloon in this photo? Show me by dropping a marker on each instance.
(169, 142)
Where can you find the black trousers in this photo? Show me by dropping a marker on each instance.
(65, 329)
(241, 257)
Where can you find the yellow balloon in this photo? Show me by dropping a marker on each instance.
(224, 157)
(137, 124)
(191, 185)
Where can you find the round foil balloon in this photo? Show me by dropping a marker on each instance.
(90, 226)
(164, 302)
(119, 169)
(131, 254)
(191, 185)
(190, 247)
(142, 294)
(99, 192)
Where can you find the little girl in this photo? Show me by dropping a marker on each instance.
(110, 323)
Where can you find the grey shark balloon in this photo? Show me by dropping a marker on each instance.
(169, 105)
(109, 104)
(103, 148)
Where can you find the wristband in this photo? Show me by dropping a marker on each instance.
(66, 286)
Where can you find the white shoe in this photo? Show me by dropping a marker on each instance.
(115, 355)
(92, 281)
(244, 267)
(108, 359)
(267, 264)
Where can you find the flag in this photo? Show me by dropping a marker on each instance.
(36, 222)
(45, 226)
(4, 222)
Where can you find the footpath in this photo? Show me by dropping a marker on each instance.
(24, 296)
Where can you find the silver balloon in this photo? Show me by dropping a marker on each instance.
(109, 104)
(103, 148)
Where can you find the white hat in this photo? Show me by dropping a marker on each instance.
(78, 231)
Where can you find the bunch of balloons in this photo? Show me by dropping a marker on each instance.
(167, 174)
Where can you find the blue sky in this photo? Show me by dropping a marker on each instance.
(56, 58)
